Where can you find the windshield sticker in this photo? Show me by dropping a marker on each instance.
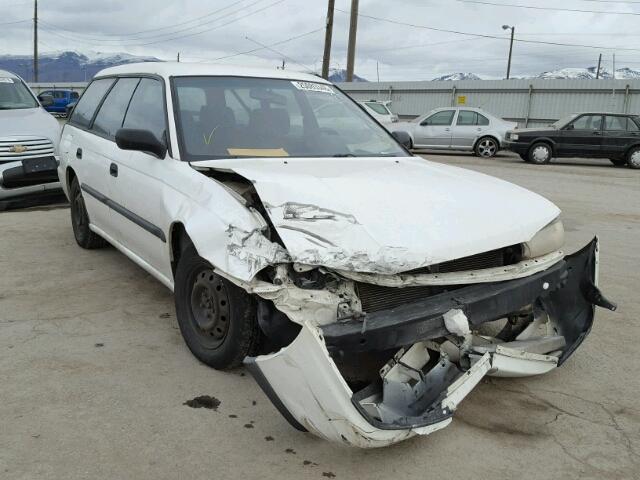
(313, 87)
(6, 80)
(257, 152)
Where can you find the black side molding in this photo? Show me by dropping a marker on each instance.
(128, 214)
(256, 373)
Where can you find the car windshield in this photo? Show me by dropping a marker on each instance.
(563, 121)
(15, 94)
(232, 117)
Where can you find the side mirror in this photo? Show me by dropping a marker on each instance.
(45, 100)
(425, 123)
(569, 127)
(141, 141)
(403, 138)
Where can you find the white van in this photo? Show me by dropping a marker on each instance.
(29, 138)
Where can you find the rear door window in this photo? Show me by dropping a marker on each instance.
(146, 110)
(466, 118)
(482, 120)
(111, 114)
(612, 123)
(87, 105)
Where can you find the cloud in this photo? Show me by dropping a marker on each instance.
(203, 30)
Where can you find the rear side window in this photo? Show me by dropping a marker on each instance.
(146, 110)
(87, 105)
(614, 123)
(111, 114)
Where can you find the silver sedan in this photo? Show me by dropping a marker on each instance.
(457, 128)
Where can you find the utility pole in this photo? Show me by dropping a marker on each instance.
(599, 63)
(326, 59)
(351, 52)
(513, 30)
(35, 41)
(178, 57)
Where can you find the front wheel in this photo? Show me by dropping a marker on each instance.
(540, 153)
(80, 219)
(633, 158)
(487, 147)
(217, 319)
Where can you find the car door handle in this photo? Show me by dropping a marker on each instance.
(597, 133)
(113, 170)
(447, 129)
(79, 153)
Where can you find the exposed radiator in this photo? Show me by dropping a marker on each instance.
(375, 298)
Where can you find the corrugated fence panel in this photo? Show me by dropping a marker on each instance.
(535, 101)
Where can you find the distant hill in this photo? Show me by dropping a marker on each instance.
(337, 76)
(456, 77)
(67, 66)
(589, 73)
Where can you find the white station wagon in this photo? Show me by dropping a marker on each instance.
(367, 290)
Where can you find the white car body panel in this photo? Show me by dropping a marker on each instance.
(332, 212)
(366, 219)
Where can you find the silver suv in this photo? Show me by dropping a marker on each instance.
(29, 137)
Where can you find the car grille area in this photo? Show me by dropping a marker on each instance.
(375, 298)
(19, 148)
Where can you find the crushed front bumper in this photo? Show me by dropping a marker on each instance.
(29, 176)
(418, 392)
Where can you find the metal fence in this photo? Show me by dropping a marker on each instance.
(531, 102)
(43, 86)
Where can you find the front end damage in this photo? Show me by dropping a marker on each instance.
(375, 332)
(373, 379)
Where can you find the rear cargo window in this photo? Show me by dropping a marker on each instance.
(88, 103)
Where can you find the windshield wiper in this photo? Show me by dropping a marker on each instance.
(342, 155)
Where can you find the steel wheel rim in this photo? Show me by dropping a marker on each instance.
(210, 308)
(540, 154)
(635, 158)
(487, 148)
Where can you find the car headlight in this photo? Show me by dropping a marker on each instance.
(547, 240)
(514, 136)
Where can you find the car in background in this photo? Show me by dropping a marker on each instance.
(28, 142)
(61, 98)
(457, 128)
(353, 279)
(380, 111)
(614, 136)
(69, 108)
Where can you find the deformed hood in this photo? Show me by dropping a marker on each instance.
(29, 121)
(388, 215)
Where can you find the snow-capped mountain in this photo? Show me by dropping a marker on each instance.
(337, 76)
(67, 66)
(589, 73)
(456, 77)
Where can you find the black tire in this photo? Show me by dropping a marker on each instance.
(217, 318)
(633, 158)
(524, 157)
(618, 162)
(540, 153)
(486, 147)
(80, 219)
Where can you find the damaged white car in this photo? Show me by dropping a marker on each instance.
(368, 291)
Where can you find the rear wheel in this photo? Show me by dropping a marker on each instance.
(217, 319)
(486, 147)
(540, 153)
(80, 219)
(633, 157)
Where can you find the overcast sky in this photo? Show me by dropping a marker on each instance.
(154, 27)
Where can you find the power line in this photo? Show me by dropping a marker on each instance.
(170, 35)
(480, 35)
(280, 53)
(136, 34)
(17, 21)
(555, 9)
(248, 52)
(174, 37)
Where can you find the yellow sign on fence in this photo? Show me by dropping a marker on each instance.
(462, 100)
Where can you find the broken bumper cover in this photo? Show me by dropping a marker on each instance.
(306, 386)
